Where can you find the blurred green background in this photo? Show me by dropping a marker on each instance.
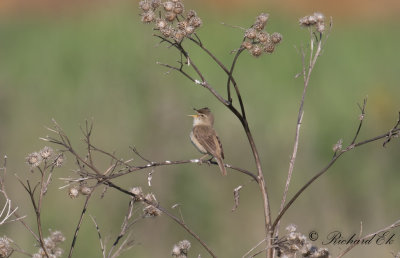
(97, 61)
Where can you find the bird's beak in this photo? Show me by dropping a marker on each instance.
(194, 116)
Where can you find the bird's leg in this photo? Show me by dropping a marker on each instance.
(202, 158)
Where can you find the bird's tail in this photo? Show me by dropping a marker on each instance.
(221, 166)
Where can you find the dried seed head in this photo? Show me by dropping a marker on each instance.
(137, 192)
(178, 9)
(291, 228)
(167, 32)
(170, 16)
(57, 236)
(155, 4)
(181, 249)
(247, 45)
(262, 18)
(85, 190)
(148, 16)
(168, 6)
(151, 198)
(34, 159)
(176, 1)
(46, 152)
(258, 26)
(179, 35)
(190, 14)
(182, 25)
(145, 5)
(195, 22)
(320, 27)
(73, 192)
(319, 17)
(276, 37)
(189, 30)
(256, 51)
(250, 33)
(161, 23)
(59, 160)
(269, 48)
(308, 20)
(262, 36)
(5, 246)
(151, 211)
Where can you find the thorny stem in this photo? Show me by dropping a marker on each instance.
(306, 78)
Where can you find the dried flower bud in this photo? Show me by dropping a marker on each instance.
(46, 152)
(167, 32)
(57, 236)
(170, 16)
(307, 21)
(137, 192)
(182, 25)
(85, 190)
(73, 192)
(189, 30)
(181, 249)
(247, 45)
(151, 198)
(34, 159)
(145, 5)
(151, 211)
(250, 33)
(155, 4)
(5, 246)
(179, 35)
(190, 14)
(320, 27)
(276, 37)
(148, 17)
(262, 18)
(161, 23)
(262, 36)
(59, 160)
(168, 6)
(338, 146)
(195, 22)
(178, 9)
(269, 48)
(319, 17)
(291, 228)
(258, 26)
(256, 51)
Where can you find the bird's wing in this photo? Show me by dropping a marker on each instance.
(220, 146)
(208, 139)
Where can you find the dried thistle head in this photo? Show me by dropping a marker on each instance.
(316, 20)
(46, 152)
(258, 41)
(73, 192)
(181, 249)
(295, 244)
(137, 192)
(5, 246)
(151, 211)
(170, 25)
(34, 159)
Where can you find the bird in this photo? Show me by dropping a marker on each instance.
(204, 137)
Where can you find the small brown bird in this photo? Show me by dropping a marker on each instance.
(204, 137)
